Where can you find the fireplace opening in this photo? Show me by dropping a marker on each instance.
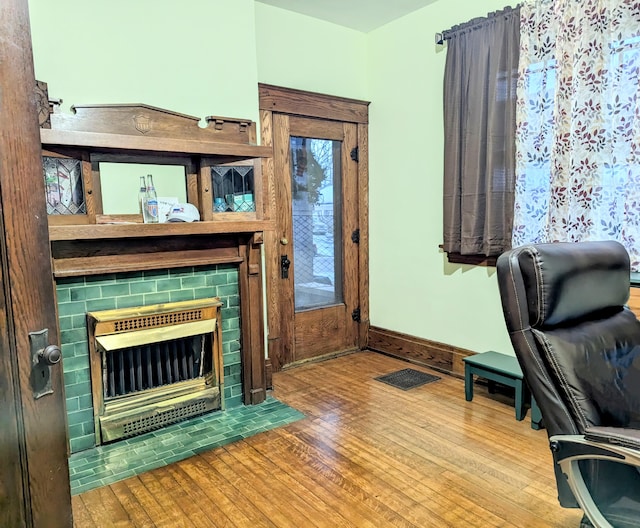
(155, 365)
(147, 366)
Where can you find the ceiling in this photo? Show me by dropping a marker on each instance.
(362, 15)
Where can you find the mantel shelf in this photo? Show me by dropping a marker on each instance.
(97, 141)
(115, 231)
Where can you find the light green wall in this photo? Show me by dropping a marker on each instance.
(205, 57)
(301, 52)
(413, 289)
(195, 57)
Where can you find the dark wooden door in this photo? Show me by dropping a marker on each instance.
(317, 198)
(34, 474)
(318, 214)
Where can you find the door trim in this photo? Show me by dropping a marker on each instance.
(310, 104)
(274, 101)
(29, 297)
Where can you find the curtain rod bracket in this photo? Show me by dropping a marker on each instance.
(441, 36)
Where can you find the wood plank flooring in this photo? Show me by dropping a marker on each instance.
(366, 455)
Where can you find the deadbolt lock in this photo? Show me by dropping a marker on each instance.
(284, 266)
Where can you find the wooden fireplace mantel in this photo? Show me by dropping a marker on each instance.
(91, 243)
(138, 133)
(135, 230)
(152, 145)
(95, 243)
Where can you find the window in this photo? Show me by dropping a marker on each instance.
(578, 134)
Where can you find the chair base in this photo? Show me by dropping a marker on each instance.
(585, 523)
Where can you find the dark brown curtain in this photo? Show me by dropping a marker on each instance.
(479, 124)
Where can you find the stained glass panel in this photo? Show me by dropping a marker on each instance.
(233, 188)
(64, 190)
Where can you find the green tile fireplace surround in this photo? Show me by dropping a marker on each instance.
(78, 295)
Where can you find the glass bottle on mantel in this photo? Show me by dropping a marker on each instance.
(151, 198)
(142, 196)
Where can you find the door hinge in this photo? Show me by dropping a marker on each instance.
(355, 315)
(355, 154)
(355, 236)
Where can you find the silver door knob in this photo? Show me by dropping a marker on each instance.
(50, 355)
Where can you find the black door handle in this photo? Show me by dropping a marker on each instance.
(284, 266)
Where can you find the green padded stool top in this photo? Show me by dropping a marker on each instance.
(497, 362)
(501, 368)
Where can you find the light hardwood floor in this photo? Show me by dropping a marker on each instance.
(366, 455)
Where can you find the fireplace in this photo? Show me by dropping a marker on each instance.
(103, 262)
(154, 365)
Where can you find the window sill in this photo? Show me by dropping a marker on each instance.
(473, 260)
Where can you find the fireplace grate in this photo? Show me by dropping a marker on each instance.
(156, 320)
(138, 368)
(152, 422)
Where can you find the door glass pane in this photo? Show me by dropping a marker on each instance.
(316, 206)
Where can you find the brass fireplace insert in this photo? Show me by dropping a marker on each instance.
(154, 365)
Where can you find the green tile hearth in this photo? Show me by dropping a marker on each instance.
(104, 465)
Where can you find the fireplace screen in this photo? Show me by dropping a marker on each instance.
(154, 365)
(133, 369)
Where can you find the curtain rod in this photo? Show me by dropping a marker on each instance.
(441, 36)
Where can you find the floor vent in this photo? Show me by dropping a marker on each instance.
(407, 379)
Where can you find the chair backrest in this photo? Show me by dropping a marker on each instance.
(577, 343)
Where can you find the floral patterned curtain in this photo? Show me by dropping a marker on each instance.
(578, 123)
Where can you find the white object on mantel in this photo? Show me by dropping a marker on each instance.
(165, 203)
(184, 212)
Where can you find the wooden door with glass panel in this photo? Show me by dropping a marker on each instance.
(316, 180)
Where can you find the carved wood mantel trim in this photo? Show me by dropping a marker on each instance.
(253, 366)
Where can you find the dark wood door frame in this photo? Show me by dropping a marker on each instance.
(34, 475)
(279, 100)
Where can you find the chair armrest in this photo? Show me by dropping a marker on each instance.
(603, 443)
(614, 435)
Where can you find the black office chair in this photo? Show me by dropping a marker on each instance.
(579, 349)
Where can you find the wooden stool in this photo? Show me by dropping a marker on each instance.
(500, 368)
